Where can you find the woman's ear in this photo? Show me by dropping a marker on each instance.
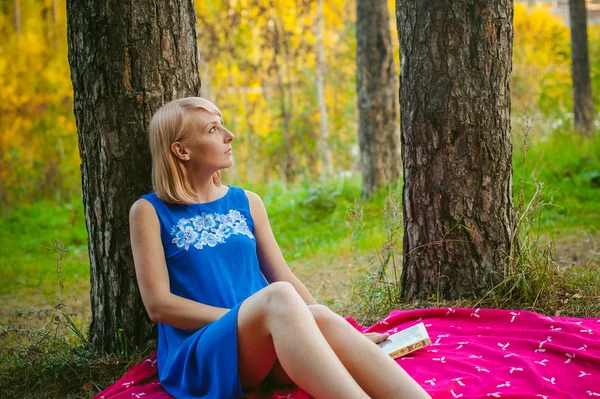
(180, 151)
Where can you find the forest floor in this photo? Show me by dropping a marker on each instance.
(330, 278)
(320, 228)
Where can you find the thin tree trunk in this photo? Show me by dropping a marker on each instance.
(17, 14)
(206, 81)
(55, 20)
(250, 137)
(284, 105)
(3, 191)
(583, 102)
(323, 145)
(377, 91)
(48, 27)
(456, 146)
(289, 170)
(55, 12)
(285, 114)
(127, 59)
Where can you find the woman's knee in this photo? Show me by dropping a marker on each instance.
(280, 299)
(282, 293)
(272, 299)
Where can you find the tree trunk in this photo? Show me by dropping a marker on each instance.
(583, 102)
(285, 98)
(456, 146)
(323, 145)
(17, 15)
(127, 59)
(249, 109)
(377, 101)
(55, 12)
(55, 27)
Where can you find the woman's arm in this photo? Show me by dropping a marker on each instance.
(272, 263)
(153, 277)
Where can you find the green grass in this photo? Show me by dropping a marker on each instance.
(311, 219)
(27, 254)
(313, 225)
(568, 165)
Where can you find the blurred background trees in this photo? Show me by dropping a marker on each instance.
(376, 97)
(583, 102)
(38, 142)
(259, 63)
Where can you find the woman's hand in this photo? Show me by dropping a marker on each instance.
(377, 337)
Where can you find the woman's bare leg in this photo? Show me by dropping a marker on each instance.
(377, 373)
(275, 323)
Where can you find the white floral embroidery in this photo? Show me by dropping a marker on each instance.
(209, 229)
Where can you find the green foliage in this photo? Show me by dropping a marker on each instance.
(29, 233)
(41, 352)
(568, 166)
(558, 173)
(258, 66)
(532, 280)
(541, 76)
(38, 143)
(310, 218)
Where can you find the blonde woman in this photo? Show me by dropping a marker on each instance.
(230, 312)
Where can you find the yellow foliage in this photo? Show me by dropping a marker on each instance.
(258, 61)
(38, 142)
(540, 37)
(541, 59)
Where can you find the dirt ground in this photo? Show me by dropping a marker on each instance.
(330, 279)
(578, 250)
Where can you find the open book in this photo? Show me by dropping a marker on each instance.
(406, 341)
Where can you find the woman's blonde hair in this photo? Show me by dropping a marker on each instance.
(173, 122)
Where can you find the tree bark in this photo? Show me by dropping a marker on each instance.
(127, 59)
(456, 146)
(583, 102)
(377, 101)
(323, 146)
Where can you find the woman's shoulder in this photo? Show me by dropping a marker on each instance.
(250, 194)
(145, 201)
(253, 198)
(150, 197)
(142, 208)
(255, 204)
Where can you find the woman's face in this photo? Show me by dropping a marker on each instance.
(208, 145)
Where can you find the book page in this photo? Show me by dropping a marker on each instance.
(405, 338)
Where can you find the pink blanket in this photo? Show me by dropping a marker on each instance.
(475, 353)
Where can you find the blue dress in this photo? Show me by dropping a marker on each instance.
(210, 250)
